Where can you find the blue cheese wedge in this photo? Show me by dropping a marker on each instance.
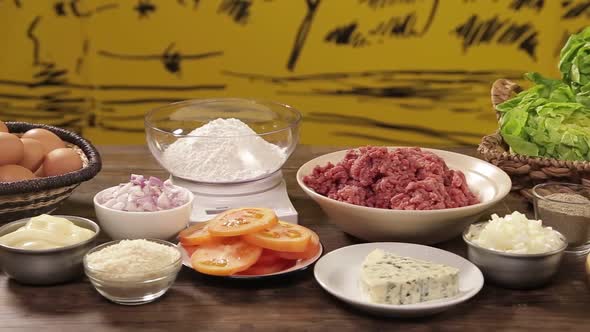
(392, 279)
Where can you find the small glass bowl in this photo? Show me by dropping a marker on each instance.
(171, 125)
(133, 289)
(570, 218)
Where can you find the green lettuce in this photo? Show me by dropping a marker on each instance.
(574, 63)
(546, 120)
(552, 118)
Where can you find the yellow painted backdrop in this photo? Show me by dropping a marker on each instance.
(360, 71)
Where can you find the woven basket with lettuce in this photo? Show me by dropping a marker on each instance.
(544, 132)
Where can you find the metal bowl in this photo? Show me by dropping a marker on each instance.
(49, 266)
(517, 271)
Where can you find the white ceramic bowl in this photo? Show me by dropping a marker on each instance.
(485, 180)
(162, 225)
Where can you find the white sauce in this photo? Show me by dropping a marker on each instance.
(46, 232)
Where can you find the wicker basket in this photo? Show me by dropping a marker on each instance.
(525, 171)
(29, 198)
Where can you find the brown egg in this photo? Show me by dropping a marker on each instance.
(39, 172)
(11, 149)
(49, 140)
(34, 155)
(61, 161)
(11, 173)
(3, 128)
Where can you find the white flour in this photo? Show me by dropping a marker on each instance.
(218, 156)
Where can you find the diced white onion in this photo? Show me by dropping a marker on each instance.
(515, 233)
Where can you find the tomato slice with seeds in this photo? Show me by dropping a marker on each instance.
(310, 251)
(242, 221)
(261, 269)
(225, 257)
(195, 234)
(281, 237)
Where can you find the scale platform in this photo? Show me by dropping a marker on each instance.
(212, 199)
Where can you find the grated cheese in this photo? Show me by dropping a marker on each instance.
(131, 259)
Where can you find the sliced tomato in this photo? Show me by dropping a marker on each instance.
(281, 237)
(195, 235)
(225, 257)
(310, 251)
(261, 269)
(189, 249)
(242, 221)
(268, 257)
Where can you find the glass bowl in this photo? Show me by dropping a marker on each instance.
(133, 289)
(222, 156)
(566, 208)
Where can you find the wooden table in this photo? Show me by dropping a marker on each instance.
(297, 303)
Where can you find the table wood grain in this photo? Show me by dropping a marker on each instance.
(295, 303)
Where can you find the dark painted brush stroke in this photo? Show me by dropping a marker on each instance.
(393, 92)
(122, 118)
(137, 57)
(369, 73)
(238, 10)
(517, 5)
(31, 35)
(76, 11)
(369, 123)
(142, 101)
(144, 8)
(398, 91)
(430, 19)
(106, 6)
(415, 107)
(170, 59)
(373, 138)
(127, 130)
(302, 32)
(577, 10)
(50, 97)
(355, 120)
(80, 59)
(122, 87)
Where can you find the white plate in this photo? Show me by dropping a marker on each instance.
(301, 264)
(338, 272)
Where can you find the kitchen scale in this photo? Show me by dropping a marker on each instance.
(212, 199)
(275, 123)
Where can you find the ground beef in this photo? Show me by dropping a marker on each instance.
(401, 179)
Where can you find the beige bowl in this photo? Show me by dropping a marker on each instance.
(487, 181)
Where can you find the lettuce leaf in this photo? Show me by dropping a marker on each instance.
(546, 120)
(574, 62)
(552, 118)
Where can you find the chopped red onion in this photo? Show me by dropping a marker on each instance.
(144, 195)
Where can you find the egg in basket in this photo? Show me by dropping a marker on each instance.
(40, 166)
